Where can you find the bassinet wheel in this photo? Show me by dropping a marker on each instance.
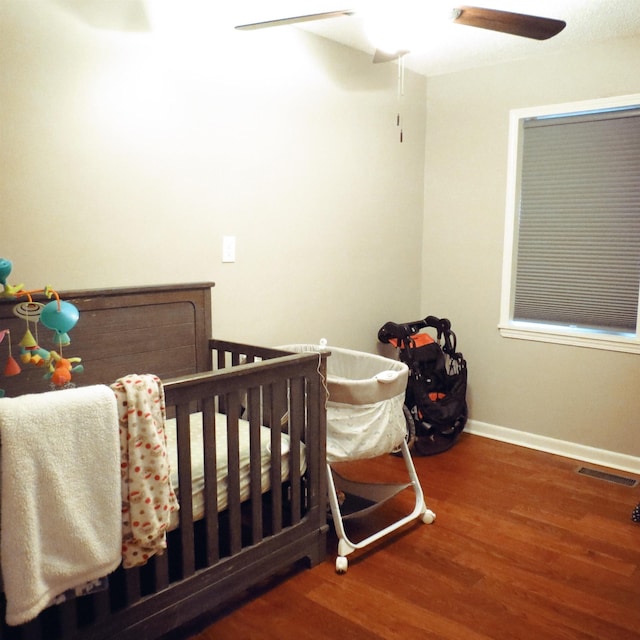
(341, 564)
(428, 517)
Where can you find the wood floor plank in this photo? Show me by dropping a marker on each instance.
(523, 548)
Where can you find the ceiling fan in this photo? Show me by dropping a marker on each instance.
(517, 24)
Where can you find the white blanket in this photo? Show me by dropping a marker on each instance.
(60, 494)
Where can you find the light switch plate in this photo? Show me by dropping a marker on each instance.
(228, 249)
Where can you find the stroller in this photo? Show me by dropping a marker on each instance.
(435, 401)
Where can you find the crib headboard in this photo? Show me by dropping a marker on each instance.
(161, 329)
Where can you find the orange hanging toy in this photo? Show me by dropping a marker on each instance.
(60, 372)
(11, 368)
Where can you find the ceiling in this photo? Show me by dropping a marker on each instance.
(443, 47)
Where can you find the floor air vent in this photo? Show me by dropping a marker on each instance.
(609, 477)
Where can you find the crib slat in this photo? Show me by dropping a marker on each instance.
(101, 606)
(133, 590)
(315, 438)
(275, 471)
(255, 471)
(211, 481)
(221, 362)
(160, 572)
(232, 402)
(296, 419)
(68, 618)
(267, 403)
(185, 490)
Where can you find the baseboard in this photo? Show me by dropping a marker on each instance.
(572, 450)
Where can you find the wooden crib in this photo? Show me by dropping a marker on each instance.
(216, 556)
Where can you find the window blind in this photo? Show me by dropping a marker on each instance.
(578, 244)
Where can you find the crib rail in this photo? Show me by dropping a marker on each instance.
(217, 557)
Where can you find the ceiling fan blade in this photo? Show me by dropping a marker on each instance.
(384, 56)
(294, 20)
(517, 24)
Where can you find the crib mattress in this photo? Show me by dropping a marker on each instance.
(197, 461)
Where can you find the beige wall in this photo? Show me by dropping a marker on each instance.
(126, 158)
(581, 395)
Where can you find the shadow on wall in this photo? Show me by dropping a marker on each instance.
(113, 15)
(355, 76)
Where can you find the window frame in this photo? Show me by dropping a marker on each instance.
(557, 334)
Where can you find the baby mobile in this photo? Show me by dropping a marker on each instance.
(58, 315)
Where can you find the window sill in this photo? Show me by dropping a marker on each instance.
(571, 337)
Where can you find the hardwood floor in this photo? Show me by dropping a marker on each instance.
(523, 547)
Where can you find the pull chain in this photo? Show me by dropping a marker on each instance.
(399, 119)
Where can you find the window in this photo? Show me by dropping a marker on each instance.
(571, 270)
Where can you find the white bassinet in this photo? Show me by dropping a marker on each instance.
(365, 419)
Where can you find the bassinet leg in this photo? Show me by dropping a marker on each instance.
(421, 510)
(345, 546)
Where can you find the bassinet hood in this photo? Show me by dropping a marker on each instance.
(358, 378)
